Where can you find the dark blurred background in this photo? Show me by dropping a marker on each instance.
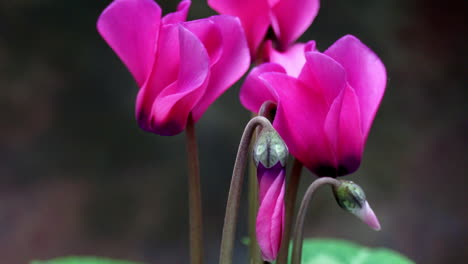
(78, 177)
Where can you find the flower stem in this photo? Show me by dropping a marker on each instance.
(254, 249)
(268, 110)
(195, 207)
(298, 235)
(290, 200)
(230, 219)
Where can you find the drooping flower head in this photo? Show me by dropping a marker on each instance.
(288, 19)
(325, 109)
(180, 67)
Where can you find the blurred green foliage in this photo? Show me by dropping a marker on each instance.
(83, 260)
(332, 251)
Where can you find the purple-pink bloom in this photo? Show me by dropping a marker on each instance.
(324, 113)
(181, 67)
(270, 216)
(287, 18)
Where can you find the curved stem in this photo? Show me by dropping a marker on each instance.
(290, 200)
(298, 228)
(195, 207)
(268, 110)
(230, 219)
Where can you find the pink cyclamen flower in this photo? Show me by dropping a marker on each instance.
(287, 18)
(181, 67)
(325, 112)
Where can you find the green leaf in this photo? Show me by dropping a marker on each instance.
(331, 251)
(82, 260)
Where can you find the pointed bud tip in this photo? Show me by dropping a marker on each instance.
(368, 216)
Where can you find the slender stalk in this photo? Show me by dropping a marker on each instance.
(195, 207)
(254, 250)
(235, 191)
(290, 200)
(298, 235)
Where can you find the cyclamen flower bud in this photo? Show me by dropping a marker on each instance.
(270, 149)
(270, 154)
(352, 198)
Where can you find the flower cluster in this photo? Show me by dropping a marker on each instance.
(325, 101)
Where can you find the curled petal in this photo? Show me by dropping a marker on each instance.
(230, 60)
(323, 75)
(299, 120)
(254, 92)
(310, 46)
(131, 28)
(365, 73)
(178, 16)
(270, 217)
(253, 14)
(170, 109)
(210, 35)
(164, 73)
(293, 59)
(351, 140)
(290, 18)
(343, 129)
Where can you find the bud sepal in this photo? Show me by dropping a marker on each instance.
(269, 149)
(352, 198)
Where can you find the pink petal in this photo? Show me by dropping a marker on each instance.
(266, 177)
(131, 28)
(270, 218)
(170, 110)
(293, 59)
(229, 56)
(290, 18)
(342, 123)
(343, 126)
(210, 35)
(164, 73)
(300, 120)
(351, 141)
(253, 14)
(332, 125)
(310, 46)
(365, 73)
(254, 92)
(180, 15)
(367, 215)
(323, 75)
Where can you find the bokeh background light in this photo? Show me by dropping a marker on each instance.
(78, 177)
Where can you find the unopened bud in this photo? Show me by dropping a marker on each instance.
(352, 198)
(269, 149)
(270, 154)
